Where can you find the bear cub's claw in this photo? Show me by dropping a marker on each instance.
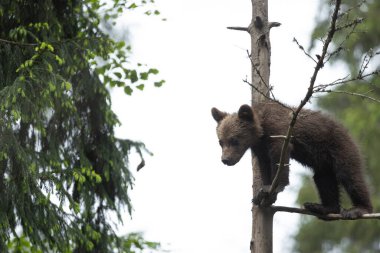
(263, 198)
(353, 213)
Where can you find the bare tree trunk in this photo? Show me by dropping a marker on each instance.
(262, 218)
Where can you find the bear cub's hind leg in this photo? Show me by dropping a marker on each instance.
(327, 186)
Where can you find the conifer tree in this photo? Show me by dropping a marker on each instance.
(63, 172)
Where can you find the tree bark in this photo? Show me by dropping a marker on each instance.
(262, 218)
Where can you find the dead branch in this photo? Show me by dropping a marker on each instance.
(238, 28)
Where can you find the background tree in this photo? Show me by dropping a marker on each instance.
(363, 119)
(63, 173)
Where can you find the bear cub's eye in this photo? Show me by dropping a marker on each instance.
(234, 142)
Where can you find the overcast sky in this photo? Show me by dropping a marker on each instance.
(185, 197)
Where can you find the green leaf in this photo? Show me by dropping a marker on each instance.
(120, 45)
(118, 74)
(68, 86)
(133, 76)
(159, 84)
(52, 86)
(128, 90)
(144, 75)
(153, 71)
(140, 87)
(132, 6)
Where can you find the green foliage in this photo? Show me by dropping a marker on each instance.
(362, 117)
(131, 243)
(135, 243)
(62, 170)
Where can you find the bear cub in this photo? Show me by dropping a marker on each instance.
(317, 142)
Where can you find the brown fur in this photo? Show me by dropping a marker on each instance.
(318, 142)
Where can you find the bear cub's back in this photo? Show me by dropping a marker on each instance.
(317, 138)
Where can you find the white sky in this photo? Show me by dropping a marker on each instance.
(185, 197)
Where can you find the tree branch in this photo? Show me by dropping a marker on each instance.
(238, 28)
(325, 217)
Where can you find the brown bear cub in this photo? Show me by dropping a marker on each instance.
(317, 142)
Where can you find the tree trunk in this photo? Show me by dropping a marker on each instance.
(262, 218)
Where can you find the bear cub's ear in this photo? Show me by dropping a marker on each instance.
(245, 113)
(218, 115)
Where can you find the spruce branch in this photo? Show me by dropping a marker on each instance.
(18, 43)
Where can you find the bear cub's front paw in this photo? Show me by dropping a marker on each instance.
(263, 198)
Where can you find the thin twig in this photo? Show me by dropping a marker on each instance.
(338, 81)
(353, 94)
(303, 49)
(366, 60)
(268, 97)
(344, 80)
(353, 26)
(352, 8)
(261, 77)
(354, 23)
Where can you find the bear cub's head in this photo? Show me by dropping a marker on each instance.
(237, 132)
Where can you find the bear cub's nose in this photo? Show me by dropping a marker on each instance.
(226, 162)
